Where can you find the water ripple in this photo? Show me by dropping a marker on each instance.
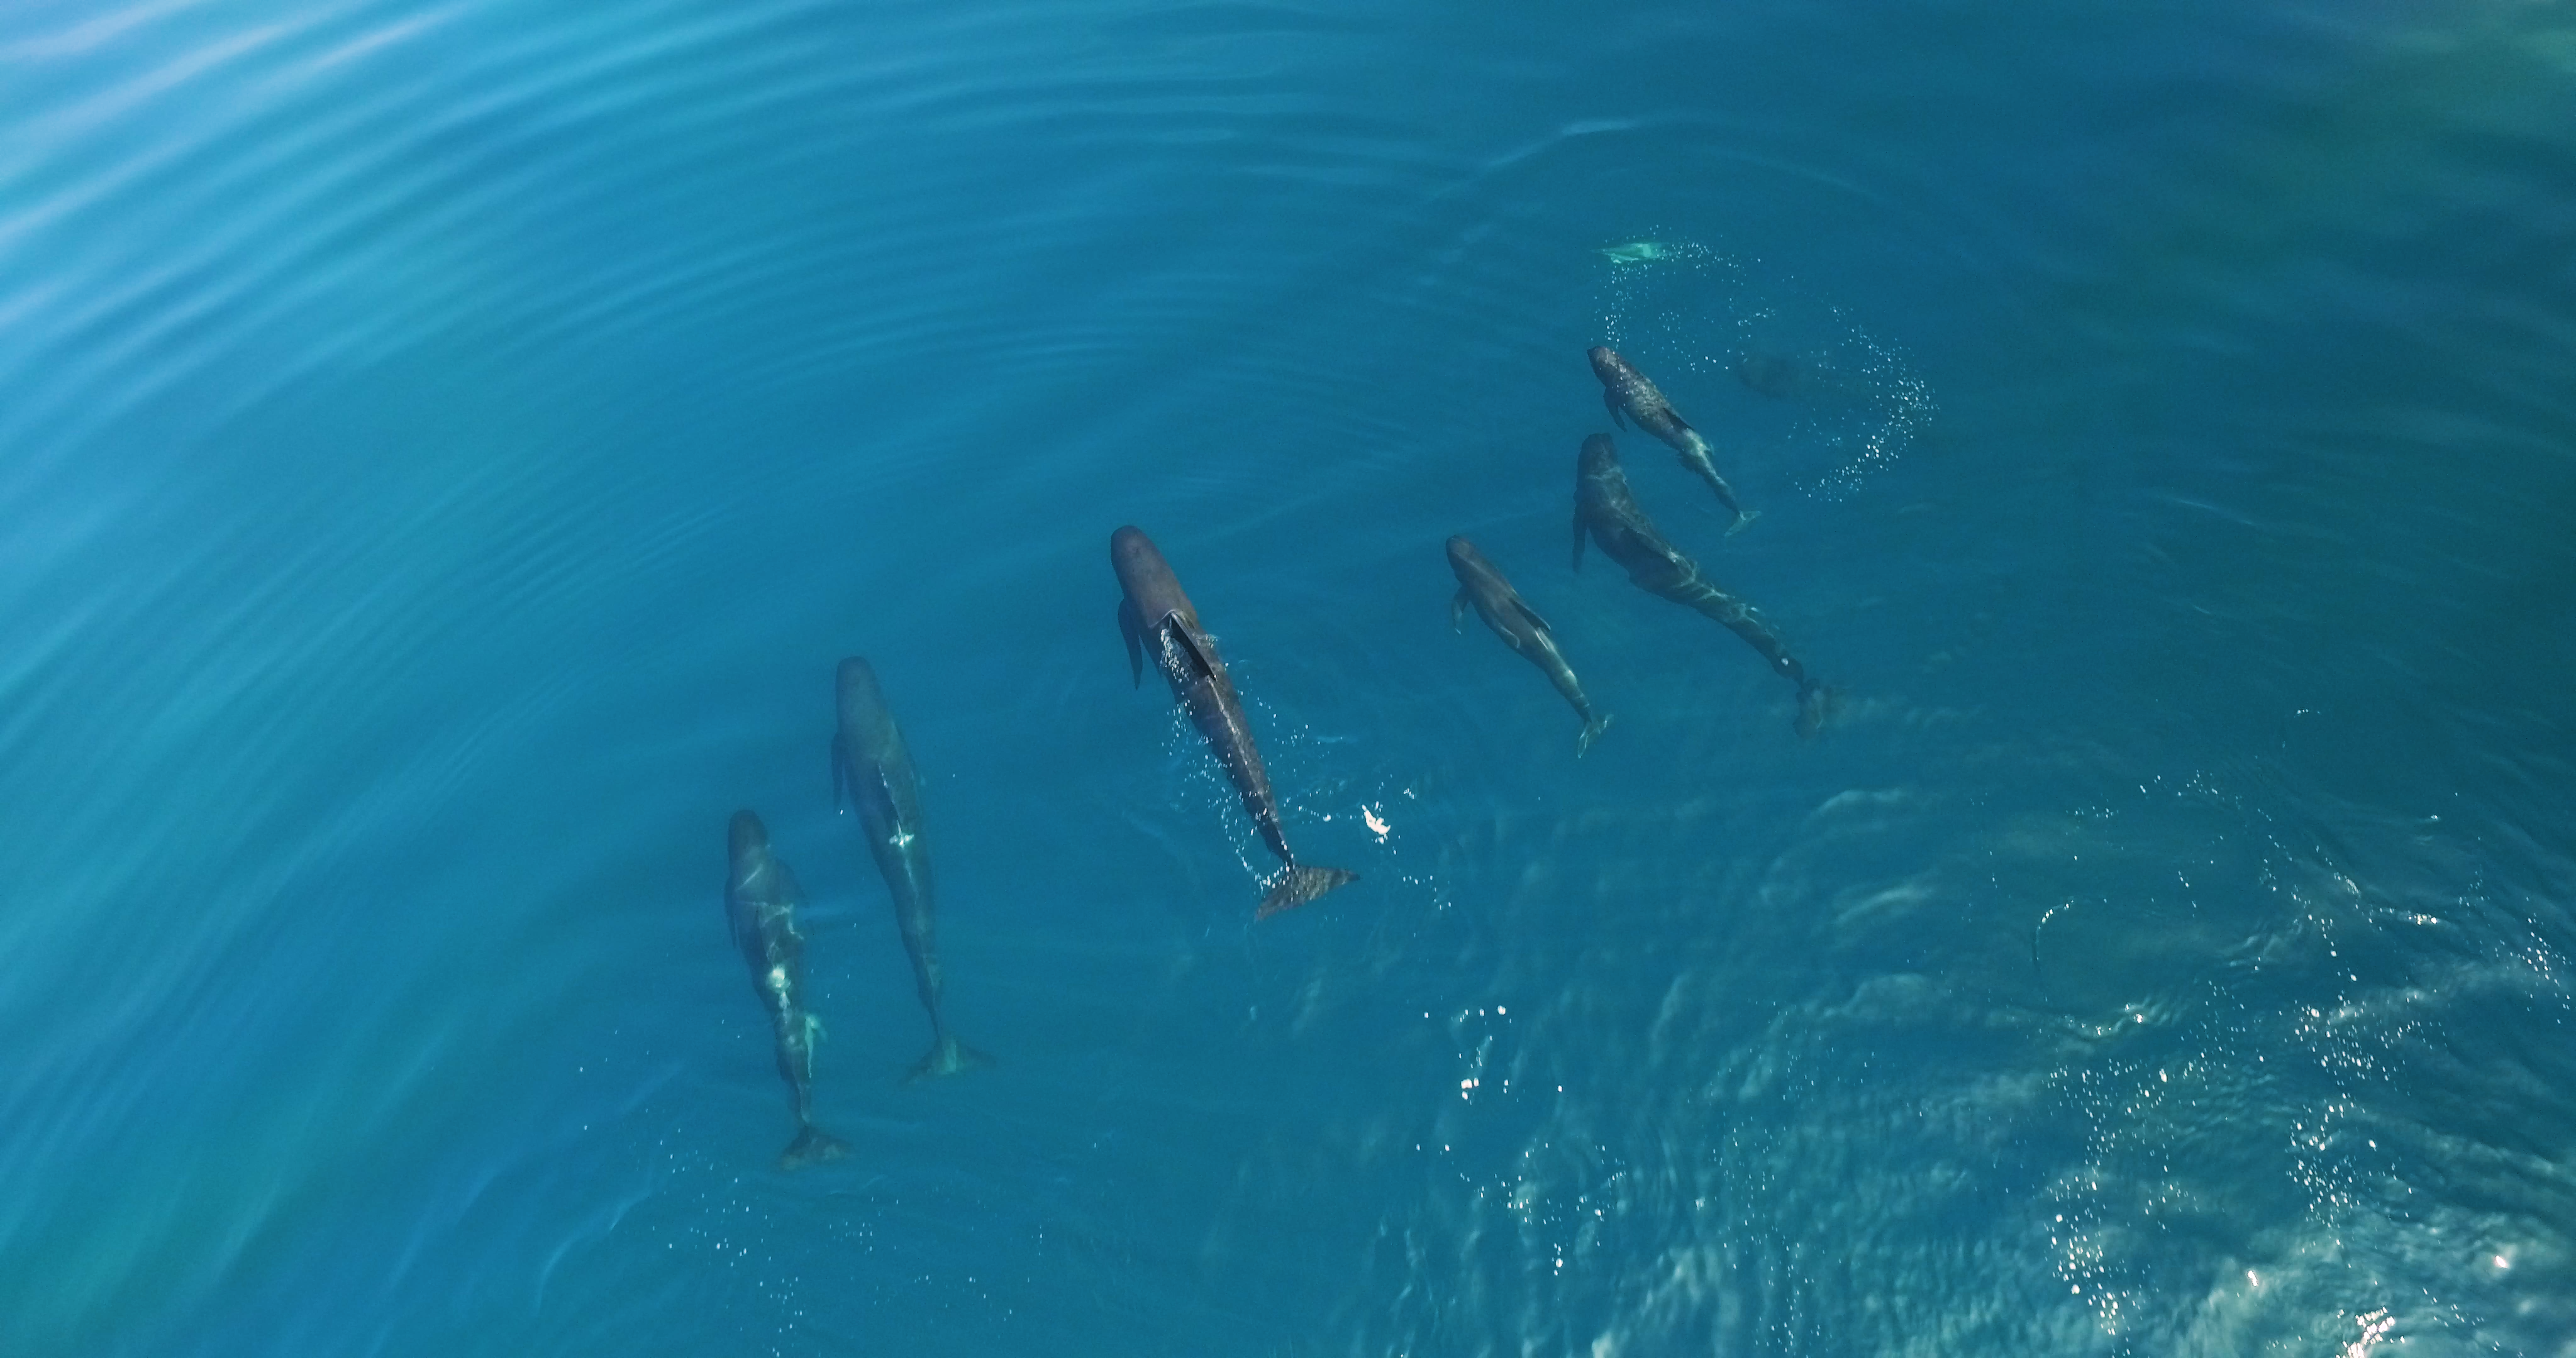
(452, 442)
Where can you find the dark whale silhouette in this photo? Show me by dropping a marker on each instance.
(1482, 587)
(1157, 618)
(1605, 508)
(1631, 397)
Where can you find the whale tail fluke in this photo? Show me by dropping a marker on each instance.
(1742, 517)
(811, 1146)
(948, 1056)
(1294, 886)
(1816, 703)
(1591, 732)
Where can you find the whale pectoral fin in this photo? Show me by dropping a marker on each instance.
(1133, 629)
(1532, 614)
(1192, 644)
(1610, 398)
(1458, 610)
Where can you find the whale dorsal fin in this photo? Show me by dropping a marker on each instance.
(1532, 614)
(1196, 650)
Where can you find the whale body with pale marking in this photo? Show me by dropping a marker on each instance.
(1630, 396)
(872, 770)
(761, 901)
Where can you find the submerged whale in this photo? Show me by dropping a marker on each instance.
(1606, 510)
(872, 768)
(1156, 617)
(1630, 396)
(1814, 379)
(1482, 587)
(761, 899)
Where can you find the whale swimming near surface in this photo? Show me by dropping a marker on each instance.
(1606, 510)
(761, 900)
(1156, 618)
(1630, 396)
(872, 768)
(1637, 252)
(1482, 587)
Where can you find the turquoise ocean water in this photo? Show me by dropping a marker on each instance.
(446, 447)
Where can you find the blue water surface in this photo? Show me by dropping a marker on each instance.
(447, 445)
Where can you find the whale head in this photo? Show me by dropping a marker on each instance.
(1129, 549)
(1144, 574)
(746, 836)
(1599, 455)
(854, 685)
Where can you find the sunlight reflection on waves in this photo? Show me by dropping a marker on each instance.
(1800, 1143)
(450, 445)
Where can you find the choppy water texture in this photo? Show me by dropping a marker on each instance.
(448, 445)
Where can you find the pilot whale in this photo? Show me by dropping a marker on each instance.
(761, 900)
(1483, 588)
(1156, 618)
(1605, 509)
(872, 768)
(1630, 396)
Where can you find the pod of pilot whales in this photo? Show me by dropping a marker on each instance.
(872, 771)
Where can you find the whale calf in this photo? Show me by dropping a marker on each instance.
(1631, 397)
(872, 768)
(1606, 510)
(1483, 588)
(761, 900)
(1156, 618)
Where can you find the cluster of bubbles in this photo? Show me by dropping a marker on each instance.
(1845, 405)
